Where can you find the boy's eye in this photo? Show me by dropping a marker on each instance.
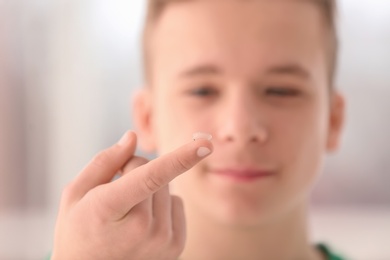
(282, 92)
(203, 91)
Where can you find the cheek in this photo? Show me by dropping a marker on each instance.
(298, 144)
(175, 123)
(300, 139)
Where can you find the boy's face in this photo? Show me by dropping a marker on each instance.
(254, 75)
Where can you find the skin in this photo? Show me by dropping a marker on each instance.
(222, 68)
(251, 73)
(133, 217)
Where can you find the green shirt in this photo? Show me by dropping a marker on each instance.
(328, 253)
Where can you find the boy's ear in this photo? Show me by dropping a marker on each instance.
(336, 121)
(142, 115)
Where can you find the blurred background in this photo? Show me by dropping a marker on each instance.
(67, 72)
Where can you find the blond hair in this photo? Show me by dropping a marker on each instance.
(328, 7)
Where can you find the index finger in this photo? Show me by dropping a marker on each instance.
(147, 179)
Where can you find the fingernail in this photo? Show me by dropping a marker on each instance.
(201, 135)
(123, 140)
(203, 151)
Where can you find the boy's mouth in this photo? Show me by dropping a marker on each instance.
(242, 174)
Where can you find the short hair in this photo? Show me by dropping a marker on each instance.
(155, 9)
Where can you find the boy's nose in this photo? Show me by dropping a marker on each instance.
(241, 123)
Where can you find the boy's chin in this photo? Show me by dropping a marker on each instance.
(255, 215)
(243, 221)
(239, 215)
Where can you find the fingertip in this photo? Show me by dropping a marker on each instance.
(203, 152)
(127, 138)
(204, 144)
(201, 148)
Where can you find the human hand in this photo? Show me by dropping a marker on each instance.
(133, 217)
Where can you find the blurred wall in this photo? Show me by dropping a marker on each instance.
(23, 117)
(67, 72)
(360, 173)
(12, 119)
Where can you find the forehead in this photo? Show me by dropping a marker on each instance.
(241, 36)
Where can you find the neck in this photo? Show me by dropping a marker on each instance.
(285, 238)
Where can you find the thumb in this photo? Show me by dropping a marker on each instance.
(141, 183)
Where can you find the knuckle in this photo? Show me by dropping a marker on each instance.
(141, 160)
(177, 201)
(102, 159)
(134, 162)
(152, 183)
(103, 210)
(182, 164)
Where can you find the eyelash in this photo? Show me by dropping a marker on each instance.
(279, 92)
(203, 91)
(282, 92)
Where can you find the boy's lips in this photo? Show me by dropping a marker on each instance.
(244, 174)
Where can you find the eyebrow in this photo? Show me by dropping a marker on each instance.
(287, 69)
(207, 69)
(290, 69)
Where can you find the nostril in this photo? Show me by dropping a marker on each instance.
(228, 138)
